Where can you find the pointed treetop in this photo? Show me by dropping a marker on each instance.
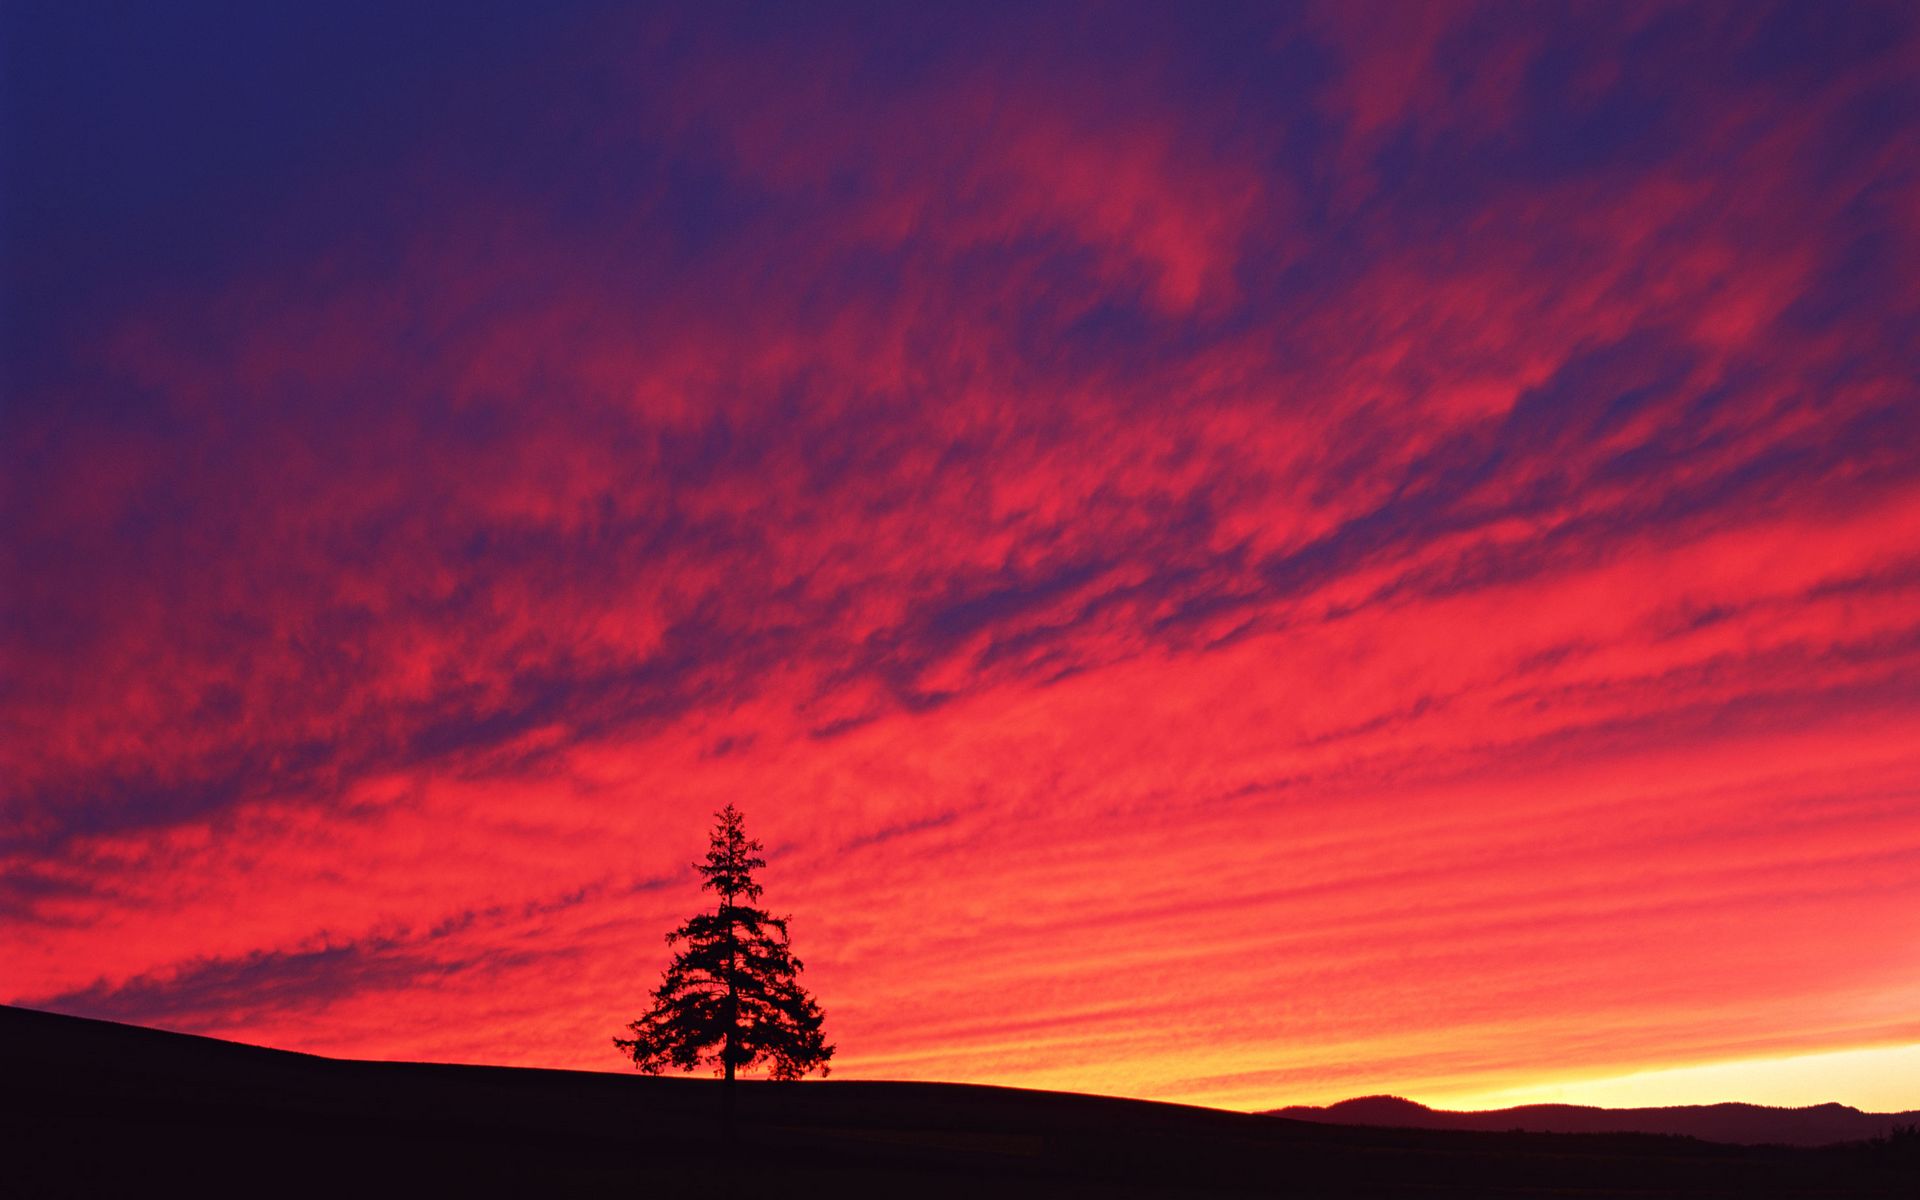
(732, 857)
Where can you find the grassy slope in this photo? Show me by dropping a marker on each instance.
(107, 1107)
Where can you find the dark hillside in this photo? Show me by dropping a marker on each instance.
(101, 1108)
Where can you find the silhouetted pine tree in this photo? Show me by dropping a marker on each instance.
(731, 997)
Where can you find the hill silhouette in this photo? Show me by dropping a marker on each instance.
(102, 1108)
(1741, 1124)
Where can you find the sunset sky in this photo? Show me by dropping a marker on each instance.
(1235, 555)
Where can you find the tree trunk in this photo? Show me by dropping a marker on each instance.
(733, 973)
(728, 1146)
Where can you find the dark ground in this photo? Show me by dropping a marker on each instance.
(104, 1109)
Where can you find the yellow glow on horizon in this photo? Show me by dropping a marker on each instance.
(1873, 1079)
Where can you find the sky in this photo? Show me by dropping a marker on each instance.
(1240, 555)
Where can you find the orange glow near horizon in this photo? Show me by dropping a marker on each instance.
(1874, 1079)
(1243, 566)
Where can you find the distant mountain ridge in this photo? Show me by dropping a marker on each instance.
(1739, 1124)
